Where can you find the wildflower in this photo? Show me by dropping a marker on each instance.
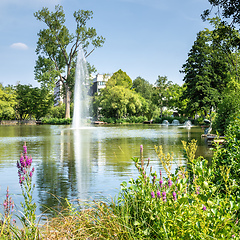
(204, 208)
(161, 183)
(169, 183)
(198, 188)
(25, 148)
(153, 180)
(174, 196)
(152, 194)
(158, 194)
(141, 149)
(164, 196)
(233, 236)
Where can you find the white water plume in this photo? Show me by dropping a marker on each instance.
(81, 90)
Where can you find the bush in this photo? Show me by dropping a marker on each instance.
(176, 207)
(57, 112)
(228, 156)
(170, 119)
(229, 107)
(57, 121)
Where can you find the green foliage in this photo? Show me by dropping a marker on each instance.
(131, 119)
(227, 110)
(57, 121)
(170, 119)
(32, 102)
(57, 48)
(211, 63)
(160, 94)
(120, 102)
(227, 8)
(228, 156)
(57, 112)
(7, 103)
(173, 207)
(120, 78)
(143, 87)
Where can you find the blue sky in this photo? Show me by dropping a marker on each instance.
(144, 38)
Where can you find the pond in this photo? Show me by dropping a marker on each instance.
(88, 163)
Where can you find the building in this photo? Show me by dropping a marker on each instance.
(57, 94)
(99, 82)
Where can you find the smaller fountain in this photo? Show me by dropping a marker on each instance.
(175, 122)
(188, 123)
(165, 122)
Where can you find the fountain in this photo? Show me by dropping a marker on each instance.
(81, 90)
(175, 122)
(188, 123)
(165, 122)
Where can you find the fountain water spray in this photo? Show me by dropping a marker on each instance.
(81, 90)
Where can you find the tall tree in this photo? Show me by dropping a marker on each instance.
(143, 87)
(160, 95)
(32, 102)
(227, 8)
(120, 78)
(7, 102)
(57, 48)
(210, 65)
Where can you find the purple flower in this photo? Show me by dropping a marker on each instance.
(161, 183)
(158, 194)
(174, 196)
(25, 148)
(152, 194)
(30, 174)
(164, 196)
(169, 183)
(197, 190)
(204, 208)
(141, 148)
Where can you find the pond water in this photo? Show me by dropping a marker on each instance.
(88, 163)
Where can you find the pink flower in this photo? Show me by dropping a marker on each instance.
(158, 194)
(174, 196)
(152, 194)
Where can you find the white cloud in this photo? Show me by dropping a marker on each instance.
(20, 46)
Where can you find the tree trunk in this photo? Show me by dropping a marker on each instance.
(67, 102)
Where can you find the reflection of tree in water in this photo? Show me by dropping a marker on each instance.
(56, 179)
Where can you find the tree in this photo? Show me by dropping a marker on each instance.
(57, 48)
(7, 103)
(143, 87)
(32, 102)
(227, 8)
(228, 108)
(160, 95)
(120, 78)
(210, 64)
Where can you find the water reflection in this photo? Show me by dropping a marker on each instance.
(86, 163)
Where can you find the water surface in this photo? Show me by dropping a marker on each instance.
(86, 163)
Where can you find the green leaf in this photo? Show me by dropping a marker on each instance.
(136, 223)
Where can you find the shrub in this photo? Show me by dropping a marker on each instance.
(57, 121)
(228, 156)
(173, 207)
